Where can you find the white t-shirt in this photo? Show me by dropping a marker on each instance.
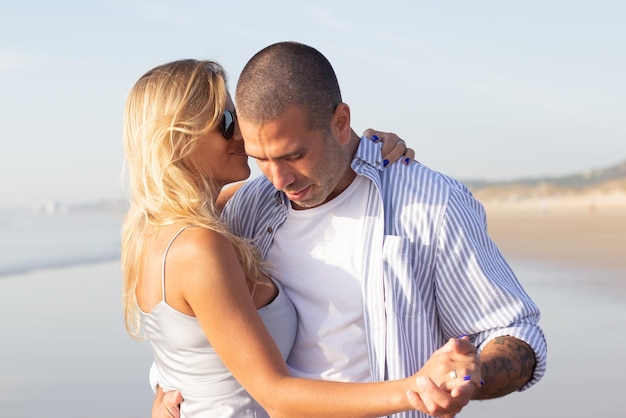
(318, 254)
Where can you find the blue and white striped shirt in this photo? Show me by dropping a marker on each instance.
(432, 272)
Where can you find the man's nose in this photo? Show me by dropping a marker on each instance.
(281, 175)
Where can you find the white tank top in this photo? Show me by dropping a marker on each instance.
(318, 254)
(185, 360)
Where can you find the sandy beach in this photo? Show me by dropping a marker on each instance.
(65, 353)
(579, 230)
(570, 254)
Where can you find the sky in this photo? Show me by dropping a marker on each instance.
(492, 90)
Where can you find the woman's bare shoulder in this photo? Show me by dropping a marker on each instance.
(197, 243)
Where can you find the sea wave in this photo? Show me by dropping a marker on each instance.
(33, 240)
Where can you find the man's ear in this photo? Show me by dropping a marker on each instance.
(340, 123)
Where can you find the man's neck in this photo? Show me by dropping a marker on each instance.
(354, 142)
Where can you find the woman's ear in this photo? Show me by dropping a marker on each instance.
(340, 123)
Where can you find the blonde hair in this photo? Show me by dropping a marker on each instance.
(168, 109)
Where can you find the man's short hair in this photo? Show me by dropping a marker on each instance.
(283, 75)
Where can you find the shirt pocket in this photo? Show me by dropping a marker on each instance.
(403, 296)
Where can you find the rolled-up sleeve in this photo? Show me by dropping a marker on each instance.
(477, 291)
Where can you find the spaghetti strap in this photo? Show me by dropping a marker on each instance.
(164, 257)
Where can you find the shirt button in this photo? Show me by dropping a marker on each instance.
(270, 229)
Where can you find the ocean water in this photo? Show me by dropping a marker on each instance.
(63, 236)
(64, 351)
(584, 324)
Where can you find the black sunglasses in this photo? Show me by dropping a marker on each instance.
(227, 125)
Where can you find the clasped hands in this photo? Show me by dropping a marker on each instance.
(448, 380)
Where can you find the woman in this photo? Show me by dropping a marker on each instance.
(201, 295)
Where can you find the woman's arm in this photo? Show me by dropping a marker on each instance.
(214, 287)
(432, 399)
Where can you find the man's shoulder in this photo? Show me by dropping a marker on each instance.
(254, 206)
(421, 177)
(254, 193)
(258, 185)
(404, 187)
(367, 162)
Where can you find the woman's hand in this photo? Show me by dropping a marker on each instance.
(448, 380)
(394, 147)
(454, 365)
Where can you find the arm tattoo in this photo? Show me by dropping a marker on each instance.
(508, 363)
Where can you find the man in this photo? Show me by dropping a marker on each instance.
(384, 265)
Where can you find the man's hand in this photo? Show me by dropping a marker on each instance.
(448, 380)
(166, 404)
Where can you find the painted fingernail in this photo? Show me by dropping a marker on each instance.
(461, 336)
(482, 382)
(467, 377)
(375, 138)
(385, 163)
(407, 160)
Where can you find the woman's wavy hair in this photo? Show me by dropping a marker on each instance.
(167, 110)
